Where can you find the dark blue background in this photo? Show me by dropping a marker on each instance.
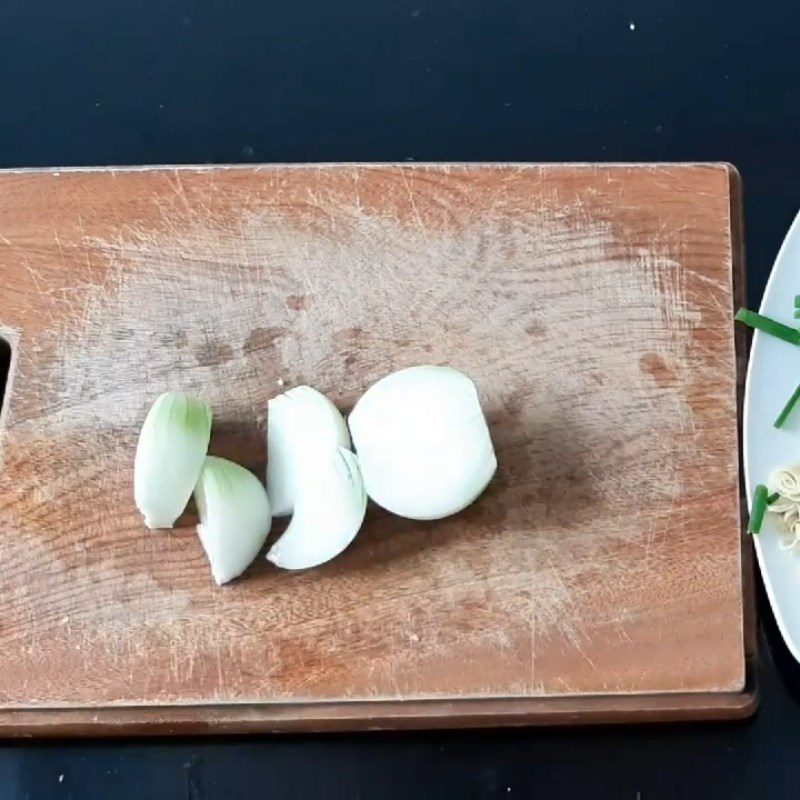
(112, 82)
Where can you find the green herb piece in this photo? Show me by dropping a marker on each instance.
(759, 507)
(788, 408)
(770, 326)
(773, 498)
(797, 313)
(797, 301)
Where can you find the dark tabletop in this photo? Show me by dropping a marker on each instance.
(175, 81)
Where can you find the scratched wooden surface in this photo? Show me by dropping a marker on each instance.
(591, 305)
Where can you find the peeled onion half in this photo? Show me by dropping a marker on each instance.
(422, 442)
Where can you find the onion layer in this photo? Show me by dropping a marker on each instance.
(301, 423)
(329, 510)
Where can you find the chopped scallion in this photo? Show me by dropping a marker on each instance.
(770, 326)
(797, 301)
(759, 507)
(773, 498)
(788, 408)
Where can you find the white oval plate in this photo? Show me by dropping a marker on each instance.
(772, 376)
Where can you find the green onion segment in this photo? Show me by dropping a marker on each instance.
(770, 326)
(788, 408)
(759, 507)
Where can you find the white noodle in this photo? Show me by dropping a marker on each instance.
(786, 482)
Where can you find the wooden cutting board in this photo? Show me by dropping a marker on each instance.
(599, 578)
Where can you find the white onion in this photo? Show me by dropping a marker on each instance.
(329, 510)
(172, 445)
(300, 424)
(234, 517)
(422, 442)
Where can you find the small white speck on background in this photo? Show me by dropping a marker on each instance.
(61, 778)
(280, 381)
(632, 26)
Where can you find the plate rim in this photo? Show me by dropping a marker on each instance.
(794, 648)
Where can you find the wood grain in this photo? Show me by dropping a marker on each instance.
(592, 305)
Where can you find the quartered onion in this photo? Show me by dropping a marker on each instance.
(234, 517)
(172, 446)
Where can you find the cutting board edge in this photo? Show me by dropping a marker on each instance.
(372, 716)
(280, 165)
